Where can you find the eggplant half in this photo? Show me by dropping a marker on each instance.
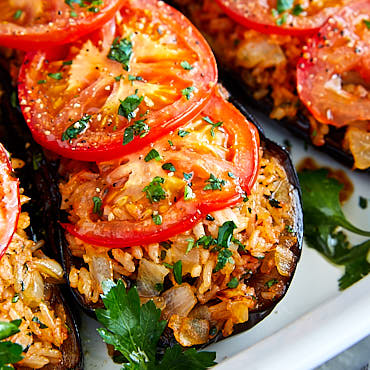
(46, 180)
(232, 77)
(17, 139)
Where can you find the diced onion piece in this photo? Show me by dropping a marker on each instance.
(101, 269)
(50, 268)
(180, 300)
(284, 259)
(149, 275)
(189, 331)
(33, 292)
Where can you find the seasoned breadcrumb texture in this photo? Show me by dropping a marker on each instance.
(25, 291)
(208, 302)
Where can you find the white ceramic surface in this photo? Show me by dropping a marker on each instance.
(312, 323)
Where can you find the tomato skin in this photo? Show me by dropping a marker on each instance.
(45, 35)
(341, 47)
(185, 214)
(262, 21)
(9, 201)
(173, 116)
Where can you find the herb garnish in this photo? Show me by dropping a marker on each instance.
(139, 128)
(154, 191)
(367, 23)
(283, 5)
(157, 219)
(18, 14)
(10, 353)
(97, 206)
(213, 124)
(214, 183)
(183, 133)
(362, 202)
(184, 64)
(297, 10)
(37, 321)
(177, 272)
(188, 92)
(233, 283)
(128, 106)
(188, 192)
(169, 167)
(134, 330)
(153, 154)
(76, 128)
(270, 283)
(55, 76)
(121, 52)
(323, 214)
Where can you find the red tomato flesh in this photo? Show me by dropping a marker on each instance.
(9, 201)
(206, 165)
(148, 71)
(281, 17)
(32, 24)
(333, 75)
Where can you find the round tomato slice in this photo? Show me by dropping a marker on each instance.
(9, 201)
(140, 76)
(165, 189)
(333, 75)
(281, 17)
(32, 24)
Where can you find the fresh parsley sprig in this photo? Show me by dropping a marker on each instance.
(10, 353)
(322, 216)
(134, 330)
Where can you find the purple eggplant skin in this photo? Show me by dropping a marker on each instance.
(46, 178)
(35, 179)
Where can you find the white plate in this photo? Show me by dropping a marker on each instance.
(312, 323)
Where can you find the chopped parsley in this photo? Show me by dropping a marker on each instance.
(170, 142)
(55, 76)
(153, 154)
(169, 167)
(362, 202)
(283, 5)
(233, 283)
(139, 128)
(15, 298)
(297, 10)
(187, 176)
(367, 23)
(206, 241)
(157, 219)
(184, 64)
(210, 218)
(270, 283)
(154, 191)
(213, 124)
(224, 256)
(183, 133)
(134, 78)
(289, 229)
(37, 321)
(67, 62)
(129, 105)
(18, 14)
(190, 246)
(188, 92)
(177, 272)
(76, 128)
(230, 174)
(134, 330)
(274, 203)
(40, 82)
(121, 52)
(97, 206)
(36, 161)
(282, 20)
(188, 193)
(214, 183)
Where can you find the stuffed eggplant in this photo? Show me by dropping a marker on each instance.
(273, 57)
(29, 280)
(155, 179)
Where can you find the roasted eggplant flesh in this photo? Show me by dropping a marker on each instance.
(268, 284)
(18, 141)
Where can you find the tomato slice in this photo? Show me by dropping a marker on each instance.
(31, 24)
(281, 17)
(140, 76)
(9, 201)
(165, 189)
(333, 75)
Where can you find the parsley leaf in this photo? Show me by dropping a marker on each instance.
(121, 52)
(233, 283)
(10, 353)
(76, 128)
(270, 283)
(225, 234)
(297, 10)
(188, 192)
(157, 219)
(367, 23)
(214, 124)
(154, 191)
(214, 183)
(223, 257)
(169, 167)
(283, 5)
(153, 154)
(55, 76)
(177, 272)
(128, 106)
(184, 64)
(97, 206)
(135, 330)
(139, 128)
(323, 214)
(183, 133)
(188, 92)
(18, 14)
